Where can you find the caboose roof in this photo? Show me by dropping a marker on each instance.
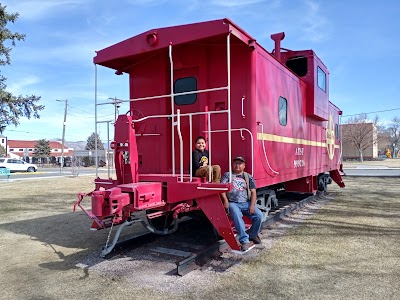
(119, 55)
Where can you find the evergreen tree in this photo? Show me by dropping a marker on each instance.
(42, 149)
(2, 151)
(12, 108)
(90, 143)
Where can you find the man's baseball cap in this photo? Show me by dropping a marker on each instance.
(239, 158)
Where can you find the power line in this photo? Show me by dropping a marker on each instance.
(91, 117)
(82, 110)
(26, 131)
(43, 133)
(371, 112)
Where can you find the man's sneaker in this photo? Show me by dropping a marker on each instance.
(256, 240)
(247, 246)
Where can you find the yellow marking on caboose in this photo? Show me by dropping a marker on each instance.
(290, 140)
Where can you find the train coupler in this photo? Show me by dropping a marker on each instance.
(96, 221)
(108, 248)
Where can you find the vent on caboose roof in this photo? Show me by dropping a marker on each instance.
(298, 65)
(151, 39)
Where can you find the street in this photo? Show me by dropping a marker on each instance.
(56, 172)
(372, 170)
(368, 171)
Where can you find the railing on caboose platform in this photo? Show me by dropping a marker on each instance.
(177, 123)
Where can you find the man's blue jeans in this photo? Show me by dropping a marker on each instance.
(237, 210)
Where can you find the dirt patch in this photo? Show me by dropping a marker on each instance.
(348, 250)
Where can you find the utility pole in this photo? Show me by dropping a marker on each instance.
(107, 151)
(63, 134)
(117, 105)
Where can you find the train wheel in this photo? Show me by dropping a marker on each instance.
(264, 206)
(216, 234)
(323, 181)
(265, 201)
(161, 223)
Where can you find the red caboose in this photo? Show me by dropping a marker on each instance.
(214, 79)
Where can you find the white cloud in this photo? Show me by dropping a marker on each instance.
(234, 3)
(37, 9)
(75, 51)
(146, 2)
(97, 23)
(50, 125)
(316, 26)
(18, 87)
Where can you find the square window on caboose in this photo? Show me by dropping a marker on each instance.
(321, 79)
(282, 111)
(182, 85)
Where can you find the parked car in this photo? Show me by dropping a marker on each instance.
(17, 165)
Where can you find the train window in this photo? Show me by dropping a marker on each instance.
(282, 111)
(336, 131)
(298, 65)
(182, 85)
(321, 79)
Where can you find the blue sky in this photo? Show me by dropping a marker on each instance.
(359, 42)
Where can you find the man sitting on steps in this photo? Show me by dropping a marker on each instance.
(242, 201)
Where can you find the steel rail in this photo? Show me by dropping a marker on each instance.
(193, 262)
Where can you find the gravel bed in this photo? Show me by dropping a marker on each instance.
(141, 268)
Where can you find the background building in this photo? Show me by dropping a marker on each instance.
(365, 135)
(25, 150)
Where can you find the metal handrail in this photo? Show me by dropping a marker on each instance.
(243, 115)
(341, 135)
(184, 115)
(209, 148)
(168, 95)
(265, 153)
(228, 58)
(241, 134)
(178, 128)
(171, 61)
(190, 147)
(95, 119)
(190, 115)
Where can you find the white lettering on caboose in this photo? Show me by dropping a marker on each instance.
(299, 151)
(298, 163)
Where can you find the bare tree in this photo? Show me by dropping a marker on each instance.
(360, 132)
(383, 137)
(393, 131)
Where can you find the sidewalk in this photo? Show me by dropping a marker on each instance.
(370, 167)
(382, 164)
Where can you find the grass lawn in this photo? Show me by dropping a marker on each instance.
(347, 249)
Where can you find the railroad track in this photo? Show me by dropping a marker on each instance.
(194, 245)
